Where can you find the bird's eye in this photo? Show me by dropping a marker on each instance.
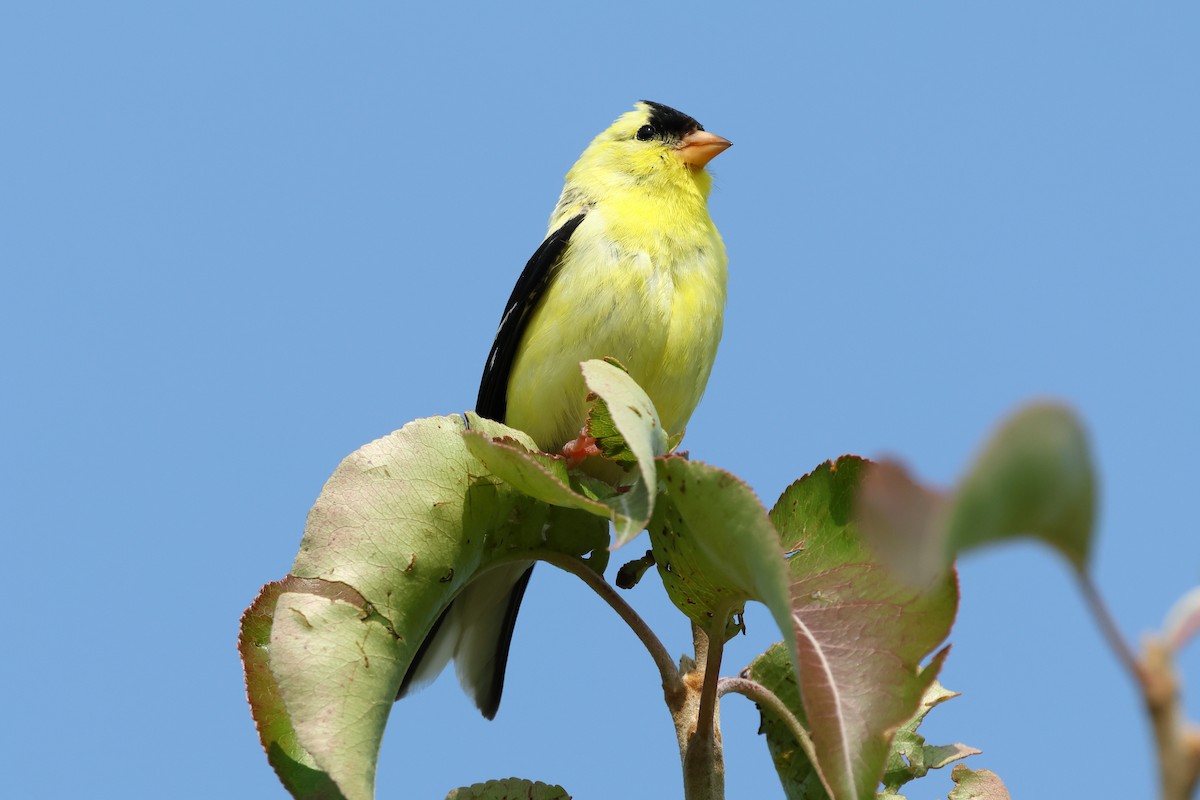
(646, 133)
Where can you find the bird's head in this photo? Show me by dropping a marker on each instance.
(651, 144)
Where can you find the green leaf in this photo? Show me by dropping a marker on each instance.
(297, 770)
(575, 534)
(403, 525)
(510, 789)
(1034, 478)
(635, 418)
(910, 756)
(627, 430)
(774, 669)
(714, 545)
(861, 635)
(337, 666)
(982, 784)
(610, 442)
(539, 475)
(409, 519)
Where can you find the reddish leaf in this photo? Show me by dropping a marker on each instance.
(861, 634)
(1034, 478)
(981, 784)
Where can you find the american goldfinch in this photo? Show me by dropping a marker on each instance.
(632, 267)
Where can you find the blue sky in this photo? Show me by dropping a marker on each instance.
(239, 241)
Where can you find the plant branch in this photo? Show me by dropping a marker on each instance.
(696, 720)
(580, 569)
(755, 691)
(1178, 753)
(760, 694)
(1155, 675)
(712, 669)
(1108, 627)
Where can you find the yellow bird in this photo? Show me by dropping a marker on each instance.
(632, 267)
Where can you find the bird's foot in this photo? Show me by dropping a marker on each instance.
(583, 447)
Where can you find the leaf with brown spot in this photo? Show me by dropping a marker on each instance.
(714, 544)
(537, 474)
(400, 528)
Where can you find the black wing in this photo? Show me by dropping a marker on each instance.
(493, 389)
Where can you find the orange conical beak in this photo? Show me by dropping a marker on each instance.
(700, 147)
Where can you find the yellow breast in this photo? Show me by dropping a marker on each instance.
(643, 281)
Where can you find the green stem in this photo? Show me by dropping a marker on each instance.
(696, 721)
(711, 667)
(1108, 627)
(580, 569)
(1155, 675)
(766, 698)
